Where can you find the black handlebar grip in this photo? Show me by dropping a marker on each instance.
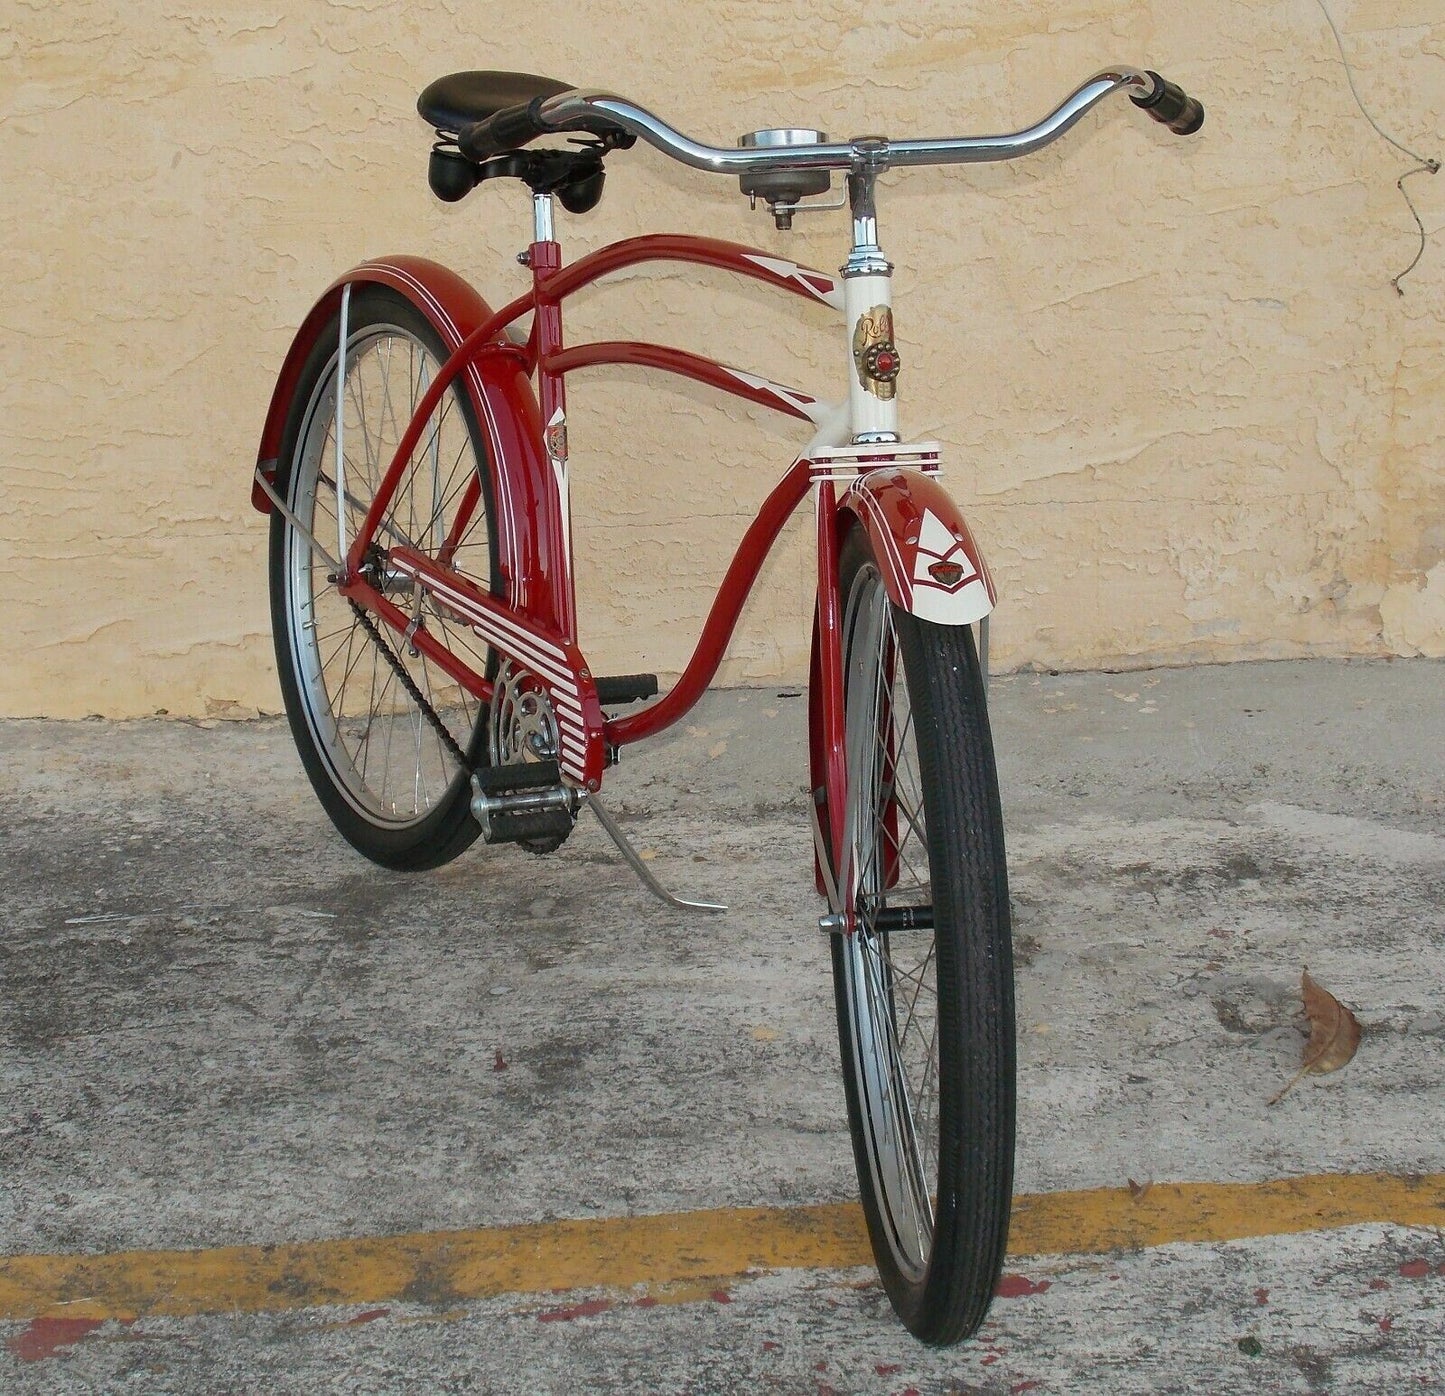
(508, 129)
(1171, 106)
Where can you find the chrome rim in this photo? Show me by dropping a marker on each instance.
(382, 751)
(891, 979)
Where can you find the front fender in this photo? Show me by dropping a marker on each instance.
(501, 392)
(932, 567)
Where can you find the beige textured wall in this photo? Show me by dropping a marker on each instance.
(1188, 412)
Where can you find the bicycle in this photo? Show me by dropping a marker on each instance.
(433, 675)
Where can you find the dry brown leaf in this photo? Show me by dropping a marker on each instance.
(1334, 1034)
(1137, 1190)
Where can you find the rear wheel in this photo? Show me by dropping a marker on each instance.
(377, 724)
(924, 983)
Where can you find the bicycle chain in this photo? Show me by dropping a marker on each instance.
(408, 683)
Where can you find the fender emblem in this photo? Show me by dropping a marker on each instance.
(556, 437)
(942, 560)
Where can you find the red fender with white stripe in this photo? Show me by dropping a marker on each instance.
(931, 565)
(501, 393)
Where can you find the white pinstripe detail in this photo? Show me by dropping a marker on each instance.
(791, 271)
(890, 545)
(556, 676)
(572, 733)
(553, 653)
(496, 632)
(813, 410)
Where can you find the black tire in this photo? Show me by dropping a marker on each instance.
(925, 1018)
(390, 783)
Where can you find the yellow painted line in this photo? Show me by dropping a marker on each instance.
(444, 1268)
(1110, 1219)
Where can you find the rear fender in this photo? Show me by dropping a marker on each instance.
(932, 568)
(501, 393)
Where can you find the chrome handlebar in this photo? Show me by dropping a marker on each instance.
(593, 110)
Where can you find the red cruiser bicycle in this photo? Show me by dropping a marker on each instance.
(425, 619)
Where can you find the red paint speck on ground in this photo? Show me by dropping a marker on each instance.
(1020, 1287)
(370, 1316)
(1261, 1297)
(47, 1336)
(770, 1346)
(820, 1367)
(648, 1302)
(720, 1296)
(887, 1369)
(1379, 1284)
(588, 1309)
(1023, 1386)
(990, 1359)
(1387, 1323)
(1415, 1269)
(499, 1062)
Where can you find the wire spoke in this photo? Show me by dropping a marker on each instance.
(895, 1001)
(373, 708)
(900, 1114)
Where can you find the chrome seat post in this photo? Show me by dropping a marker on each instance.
(542, 226)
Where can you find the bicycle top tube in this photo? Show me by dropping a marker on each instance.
(602, 112)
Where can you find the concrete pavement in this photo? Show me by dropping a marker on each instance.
(222, 1029)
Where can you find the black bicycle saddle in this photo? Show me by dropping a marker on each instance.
(460, 100)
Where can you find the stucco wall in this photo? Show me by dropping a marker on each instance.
(1191, 417)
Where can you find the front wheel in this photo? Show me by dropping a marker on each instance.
(924, 980)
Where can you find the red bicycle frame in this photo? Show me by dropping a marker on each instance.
(932, 560)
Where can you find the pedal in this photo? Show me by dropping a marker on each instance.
(626, 688)
(526, 801)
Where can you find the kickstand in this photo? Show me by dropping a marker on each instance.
(641, 868)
